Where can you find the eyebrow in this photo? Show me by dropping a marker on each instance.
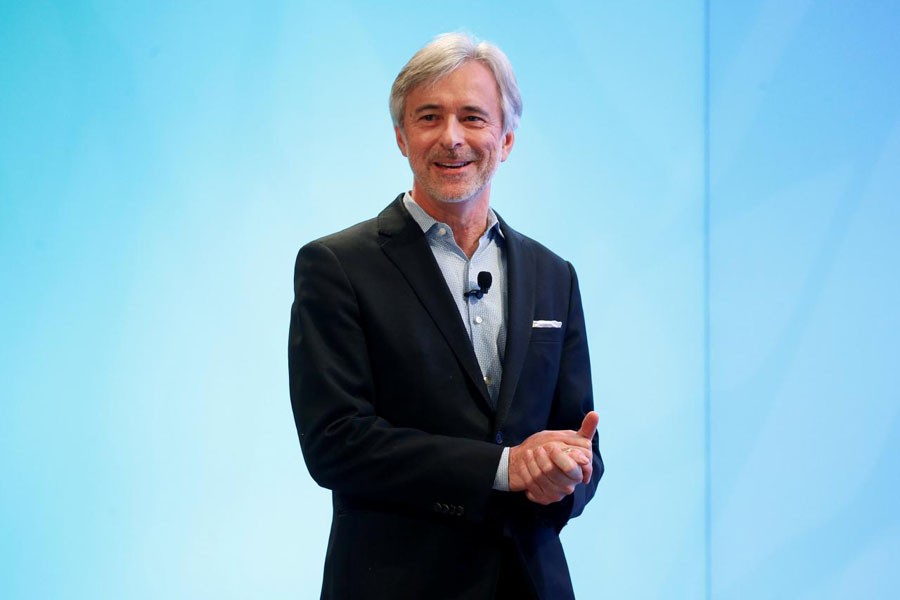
(471, 108)
(476, 109)
(426, 107)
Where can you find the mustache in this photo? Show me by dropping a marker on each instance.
(454, 156)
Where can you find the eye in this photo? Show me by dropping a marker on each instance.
(428, 118)
(473, 119)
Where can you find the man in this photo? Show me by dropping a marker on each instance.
(439, 364)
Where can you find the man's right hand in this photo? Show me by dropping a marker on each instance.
(550, 464)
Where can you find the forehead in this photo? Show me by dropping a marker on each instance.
(472, 84)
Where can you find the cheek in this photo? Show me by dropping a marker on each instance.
(419, 150)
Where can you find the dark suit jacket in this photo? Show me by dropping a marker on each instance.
(394, 417)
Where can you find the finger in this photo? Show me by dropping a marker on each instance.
(567, 436)
(589, 425)
(551, 479)
(574, 440)
(557, 483)
(560, 436)
(538, 496)
(532, 497)
(580, 450)
(587, 471)
(582, 456)
(537, 499)
(543, 461)
(537, 476)
(566, 464)
(585, 461)
(519, 477)
(523, 478)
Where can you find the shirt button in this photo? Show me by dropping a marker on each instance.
(442, 231)
(478, 320)
(487, 379)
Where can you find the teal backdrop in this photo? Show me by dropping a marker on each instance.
(724, 176)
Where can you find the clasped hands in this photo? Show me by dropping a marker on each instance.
(548, 465)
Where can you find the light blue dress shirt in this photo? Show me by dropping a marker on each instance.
(485, 317)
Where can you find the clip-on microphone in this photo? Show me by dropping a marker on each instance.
(484, 284)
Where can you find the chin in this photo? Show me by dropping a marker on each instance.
(455, 196)
(452, 199)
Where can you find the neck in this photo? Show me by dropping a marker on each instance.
(467, 219)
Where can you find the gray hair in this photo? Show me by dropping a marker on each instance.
(443, 55)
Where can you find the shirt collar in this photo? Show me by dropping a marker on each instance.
(427, 222)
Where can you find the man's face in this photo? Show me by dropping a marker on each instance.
(452, 134)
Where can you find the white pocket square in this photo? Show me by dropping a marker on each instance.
(546, 324)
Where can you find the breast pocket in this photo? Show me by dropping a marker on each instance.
(547, 335)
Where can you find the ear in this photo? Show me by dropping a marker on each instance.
(401, 142)
(509, 139)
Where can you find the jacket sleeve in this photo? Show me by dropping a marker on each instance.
(573, 399)
(347, 446)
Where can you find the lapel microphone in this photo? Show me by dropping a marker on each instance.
(484, 284)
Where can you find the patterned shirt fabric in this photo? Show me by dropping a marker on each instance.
(485, 317)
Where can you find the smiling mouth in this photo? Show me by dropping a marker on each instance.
(453, 165)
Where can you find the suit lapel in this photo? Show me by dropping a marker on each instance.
(405, 245)
(520, 312)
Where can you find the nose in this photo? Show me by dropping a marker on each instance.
(452, 134)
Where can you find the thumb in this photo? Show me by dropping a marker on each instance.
(589, 425)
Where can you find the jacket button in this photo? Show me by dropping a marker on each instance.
(445, 509)
(499, 438)
(459, 511)
(436, 507)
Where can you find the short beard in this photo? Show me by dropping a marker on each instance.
(465, 194)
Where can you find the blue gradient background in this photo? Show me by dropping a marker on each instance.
(725, 177)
